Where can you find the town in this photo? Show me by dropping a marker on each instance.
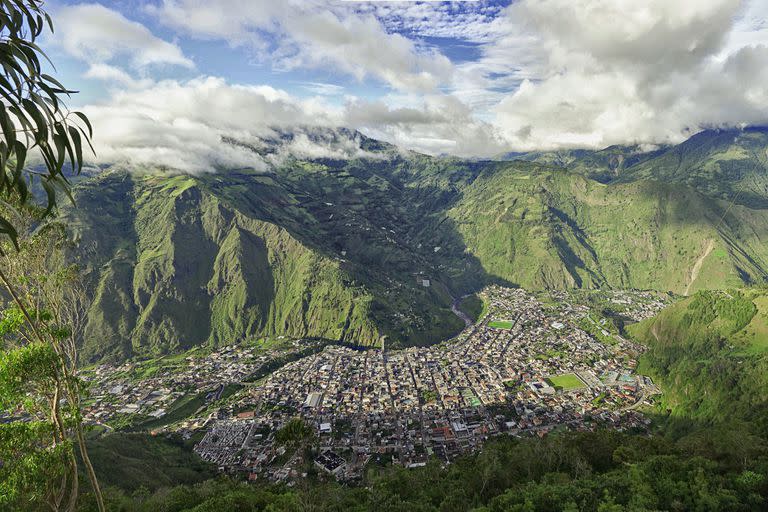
(531, 365)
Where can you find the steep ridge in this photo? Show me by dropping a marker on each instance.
(541, 227)
(176, 268)
(361, 248)
(729, 164)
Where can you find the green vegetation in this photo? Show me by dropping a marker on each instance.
(473, 306)
(709, 451)
(561, 230)
(501, 324)
(428, 396)
(40, 391)
(34, 120)
(601, 471)
(279, 362)
(601, 333)
(39, 325)
(566, 382)
(259, 269)
(135, 461)
(340, 249)
(710, 354)
(181, 409)
(728, 164)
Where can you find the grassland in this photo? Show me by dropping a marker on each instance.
(710, 355)
(566, 382)
(501, 324)
(132, 461)
(473, 306)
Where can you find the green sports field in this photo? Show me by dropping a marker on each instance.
(501, 324)
(566, 382)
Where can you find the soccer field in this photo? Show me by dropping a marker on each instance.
(566, 382)
(501, 324)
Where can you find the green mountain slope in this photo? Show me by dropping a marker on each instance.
(176, 261)
(710, 354)
(363, 248)
(730, 164)
(727, 164)
(547, 228)
(173, 267)
(604, 165)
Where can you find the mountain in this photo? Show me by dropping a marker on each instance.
(604, 165)
(334, 249)
(710, 353)
(730, 164)
(542, 227)
(378, 244)
(172, 265)
(726, 164)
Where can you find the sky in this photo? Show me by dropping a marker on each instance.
(164, 80)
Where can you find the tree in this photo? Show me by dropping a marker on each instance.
(33, 115)
(38, 461)
(38, 370)
(294, 434)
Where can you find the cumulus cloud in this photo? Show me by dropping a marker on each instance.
(312, 34)
(433, 124)
(96, 34)
(549, 74)
(617, 71)
(180, 125)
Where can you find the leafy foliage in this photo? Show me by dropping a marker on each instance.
(294, 433)
(709, 353)
(574, 471)
(33, 115)
(39, 387)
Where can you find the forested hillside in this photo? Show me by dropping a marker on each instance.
(710, 352)
(376, 246)
(548, 228)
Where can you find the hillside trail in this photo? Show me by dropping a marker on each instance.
(655, 331)
(698, 264)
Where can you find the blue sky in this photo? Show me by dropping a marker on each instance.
(472, 78)
(241, 63)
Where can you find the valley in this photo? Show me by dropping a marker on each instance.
(403, 405)
(340, 318)
(398, 332)
(361, 249)
(390, 256)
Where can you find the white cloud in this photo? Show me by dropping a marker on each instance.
(312, 34)
(180, 125)
(619, 71)
(324, 89)
(552, 73)
(433, 124)
(116, 76)
(98, 35)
